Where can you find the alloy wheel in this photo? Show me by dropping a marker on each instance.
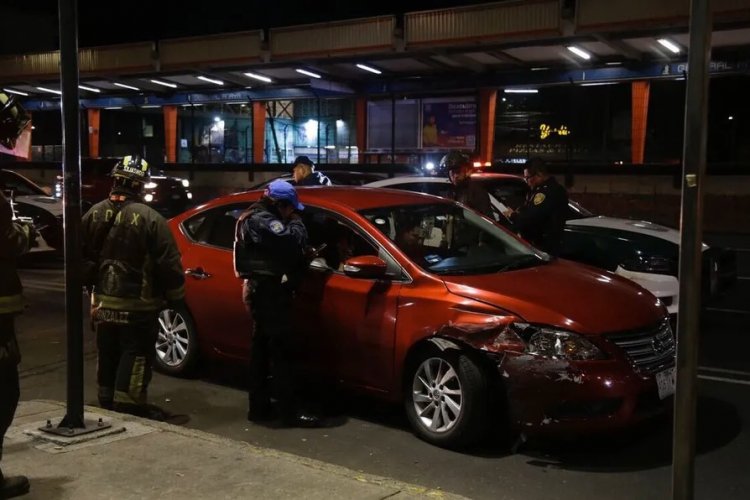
(172, 342)
(437, 395)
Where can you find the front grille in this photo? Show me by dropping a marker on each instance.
(648, 351)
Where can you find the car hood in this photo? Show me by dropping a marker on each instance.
(566, 295)
(48, 203)
(632, 225)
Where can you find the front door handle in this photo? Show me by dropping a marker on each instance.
(197, 273)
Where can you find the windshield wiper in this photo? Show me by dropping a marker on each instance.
(524, 261)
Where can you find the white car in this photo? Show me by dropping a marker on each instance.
(642, 251)
(33, 203)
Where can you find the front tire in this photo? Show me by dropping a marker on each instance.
(446, 398)
(176, 346)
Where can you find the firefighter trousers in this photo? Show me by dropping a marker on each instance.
(9, 387)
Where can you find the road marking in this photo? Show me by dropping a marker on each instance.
(724, 370)
(724, 379)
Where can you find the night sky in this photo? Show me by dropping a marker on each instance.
(31, 25)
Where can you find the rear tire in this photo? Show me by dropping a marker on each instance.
(446, 398)
(176, 349)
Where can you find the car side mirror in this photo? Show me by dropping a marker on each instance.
(365, 266)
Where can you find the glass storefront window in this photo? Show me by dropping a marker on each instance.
(214, 133)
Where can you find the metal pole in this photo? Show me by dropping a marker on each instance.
(318, 131)
(68, 17)
(393, 129)
(691, 226)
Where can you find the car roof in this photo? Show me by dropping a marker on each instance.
(354, 198)
(495, 175)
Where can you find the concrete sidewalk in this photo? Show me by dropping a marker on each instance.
(138, 458)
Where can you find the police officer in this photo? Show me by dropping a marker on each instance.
(467, 191)
(270, 255)
(303, 170)
(541, 219)
(132, 262)
(15, 239)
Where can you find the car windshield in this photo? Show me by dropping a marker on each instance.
(577, 211)
(447, 239)
(19, 185)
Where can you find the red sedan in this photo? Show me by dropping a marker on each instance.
(421, 300)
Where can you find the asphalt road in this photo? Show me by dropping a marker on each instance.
(376, 439)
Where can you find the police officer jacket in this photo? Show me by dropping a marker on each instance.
(15, 239)
(315, 179)
(541, 220)
(137, 267)
(266, 246)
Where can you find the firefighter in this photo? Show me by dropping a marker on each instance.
(541, 219)
(15, 239)
(270, 255)
(132, 263)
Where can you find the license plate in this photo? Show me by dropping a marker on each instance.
(665, 381)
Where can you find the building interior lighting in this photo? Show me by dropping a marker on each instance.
(670, 45)
(256, 76)
(579, 52)
(308, 73)
(521, 91)
(51, 91)
(11, 91)
(210, 80)
(164, 84)
(90, 89)
(122, 85)
(369, 68)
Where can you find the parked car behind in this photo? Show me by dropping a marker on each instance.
(33, 203)
(167, 195)
(420, 300)
(642, 251)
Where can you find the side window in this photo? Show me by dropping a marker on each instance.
(343, 240)
(215, 227)
(510, 194)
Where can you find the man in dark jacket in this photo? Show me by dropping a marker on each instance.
(132, 263)
(304, 173)
(470, 193)
(269, 254)
(15, 239)
(541, 219)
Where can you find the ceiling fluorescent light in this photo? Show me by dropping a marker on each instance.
(614, 63)
(90, 89)
(579, 52)
(369, 68)
(308, 73)
(596, 84)
(539, 69)
(165, 84)
(258, 77)
(210, 80)
(521, 91)
(150, 106)
(11, 91)
(113, 107)
(669, 44)
(122, 85)
(51, 91)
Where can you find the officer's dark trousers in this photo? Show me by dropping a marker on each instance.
(9, 389)
(272, 348)
(126, 355)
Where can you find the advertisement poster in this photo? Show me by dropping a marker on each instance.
(449, 124)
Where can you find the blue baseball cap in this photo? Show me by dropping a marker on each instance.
(282, 190)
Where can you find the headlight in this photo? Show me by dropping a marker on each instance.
(185, 183)
(649, 264)
(189, 195)
(148, 198)
(150, 185)
(550, 342)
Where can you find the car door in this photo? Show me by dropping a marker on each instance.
(347, 324)
(213, 293)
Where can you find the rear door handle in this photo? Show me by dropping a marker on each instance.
(197, 273)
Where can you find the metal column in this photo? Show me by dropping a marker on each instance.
(691, 226)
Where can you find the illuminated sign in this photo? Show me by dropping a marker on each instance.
(545, 131)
